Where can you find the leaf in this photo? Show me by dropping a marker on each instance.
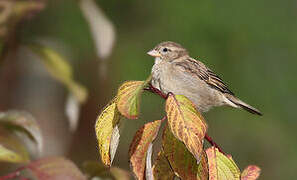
(162, 169)
(203, 167)
(220, 166)
(181, 160)
(102, 29)
(186, 123)
(11, 150)
(148, 163)
(12, 12)
(72, 111)
(107, 132)
(55, 168)
(120, 174)
(7, 155)
(251, 172)
(19, 121)
(60, 69)
(128, 98)
(95, 169)
(140, 145)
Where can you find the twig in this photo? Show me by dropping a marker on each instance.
(154, 90)
(209, 139)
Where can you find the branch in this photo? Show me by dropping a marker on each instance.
(154, 90)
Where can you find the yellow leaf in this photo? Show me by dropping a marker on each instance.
(60, 69)
(220, 166)
(186, 123)
(11, 149)
(251, 172)
(106, 128)
(128, 98)
(181, 160)
(7, 155)
(139, 147)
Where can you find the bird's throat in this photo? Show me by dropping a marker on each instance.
(158, 60)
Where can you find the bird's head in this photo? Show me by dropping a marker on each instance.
(168, 51)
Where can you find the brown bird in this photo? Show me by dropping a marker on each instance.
(176, 72)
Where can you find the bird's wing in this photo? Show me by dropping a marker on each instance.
(198, 69)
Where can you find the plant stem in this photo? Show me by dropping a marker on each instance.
(209, 139)
(154, 90)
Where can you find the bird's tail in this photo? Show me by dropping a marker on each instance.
(240, 104)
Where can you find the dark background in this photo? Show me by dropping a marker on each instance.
(250, 44)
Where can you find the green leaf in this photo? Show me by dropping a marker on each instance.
(55, 168)
(107, 132)
(181, 160)
(221, 167)
(11, 149)
(95, 169)
(162, 169)
(19, 121)
(129, 98)
(60, 69)
(186, 123)
(140, 146)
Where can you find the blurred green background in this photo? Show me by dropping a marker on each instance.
(252, 45)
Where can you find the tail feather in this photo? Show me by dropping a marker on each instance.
(243, 105)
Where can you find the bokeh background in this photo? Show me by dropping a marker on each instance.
(252, 45)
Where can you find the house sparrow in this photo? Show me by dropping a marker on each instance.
(176, 72)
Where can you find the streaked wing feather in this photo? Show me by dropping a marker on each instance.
(204, 73)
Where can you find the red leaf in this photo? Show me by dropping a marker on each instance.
(55, 168)
(251, 172)
(140, 145)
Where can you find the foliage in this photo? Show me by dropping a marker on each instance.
(21, 140)
(182, 153)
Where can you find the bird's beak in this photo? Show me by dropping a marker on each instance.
(154, 53)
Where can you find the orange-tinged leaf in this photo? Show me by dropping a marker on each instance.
(181, 160)
(55, 168)
(220, 166)
(140, 145)
(251, 172)
(129, 98)
(162, 169)
(107, 132)
(186, 123)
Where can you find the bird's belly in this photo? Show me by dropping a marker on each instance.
(203, 96)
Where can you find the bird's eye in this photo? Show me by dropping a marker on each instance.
(164, 49)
